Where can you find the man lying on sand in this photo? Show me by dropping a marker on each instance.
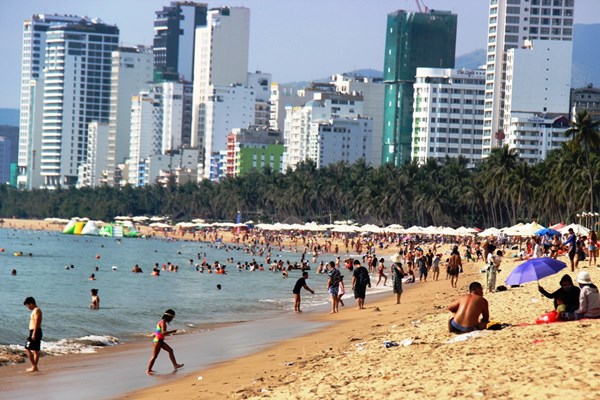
(467, 310)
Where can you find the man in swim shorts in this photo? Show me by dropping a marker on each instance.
(333, 284)
(34, 341)
(467, 311)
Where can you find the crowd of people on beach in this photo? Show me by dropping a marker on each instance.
(414, 259)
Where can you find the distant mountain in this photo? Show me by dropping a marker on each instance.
(9, 116)
(586, 57)
(472, 60)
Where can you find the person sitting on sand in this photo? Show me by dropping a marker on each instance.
(567, 291)
(589, 299)
(467, 311)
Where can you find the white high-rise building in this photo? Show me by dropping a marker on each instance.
(132, 69)
(220, 61)
(448, 114)
(260, 83)
(510, 23)
(76, 92)
(157, 121)
(32, 76)
(373, 92)
(281, 97)
(91, 171)
(145, 139)
(340, 139)
(300, 134)
(538, 88)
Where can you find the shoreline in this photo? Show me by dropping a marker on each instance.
(347, 358)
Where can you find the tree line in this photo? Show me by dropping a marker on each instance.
(501, 191)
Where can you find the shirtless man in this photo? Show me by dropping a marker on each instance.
(467, 310)
(32, 347)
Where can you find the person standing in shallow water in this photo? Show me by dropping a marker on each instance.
(34, 341)
(159, 341)
(95, 304)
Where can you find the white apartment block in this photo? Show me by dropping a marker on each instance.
(534, 135)
(76, 92)
(260, 83)
(32, 73)
(326, 106)
(341, 139)
(132, 70)
(510, 23)
(538, 88)
(91, 172)
(281, 97)
(227, 107)
(146, 135)
(220, 60)
(373, 91)
(157, 125)
(448, 114)
(161, 167)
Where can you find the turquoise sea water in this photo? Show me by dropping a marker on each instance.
(131, 304)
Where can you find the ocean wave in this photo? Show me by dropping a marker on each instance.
(14, 354)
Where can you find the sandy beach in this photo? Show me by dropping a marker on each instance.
(348, 360)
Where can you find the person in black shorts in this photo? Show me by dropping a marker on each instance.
(360, 281)
(34, 341)
(300, 283)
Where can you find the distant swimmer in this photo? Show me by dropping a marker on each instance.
(218, 286)
(13, 272)
(92, 277)
(34, 341)
(136, 268)
(95, 304)
(159, 341)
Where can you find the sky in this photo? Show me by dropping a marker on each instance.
(294, 40)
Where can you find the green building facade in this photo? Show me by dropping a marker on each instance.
(258, 157)
(413, 39)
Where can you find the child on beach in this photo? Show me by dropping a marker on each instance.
(341, 291)
(159, 341)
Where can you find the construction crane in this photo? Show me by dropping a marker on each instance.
(423, 8)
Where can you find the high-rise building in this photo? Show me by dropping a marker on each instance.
(77, 83)
(32, 73)
(448, 114)
(305, 126)
(91, 172)
(586, 98)
(174, 36)
(510, 24)
(372, 91)
(413, 39)
(220, 61)
(132, 71)
(281, 97)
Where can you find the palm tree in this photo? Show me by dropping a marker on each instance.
(585, 134)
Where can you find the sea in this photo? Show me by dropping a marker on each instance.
(54, 268)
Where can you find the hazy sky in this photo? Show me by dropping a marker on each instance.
(291, 39)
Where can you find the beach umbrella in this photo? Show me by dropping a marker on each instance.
(547, 231)
(534, 269)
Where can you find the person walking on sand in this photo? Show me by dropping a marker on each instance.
(467, 311)
(34, 341)
(333, 286)
(300, 283)
(397, 275)
(454, 266)
(381, 272)
(360, 281)
(341, 291)
(159, 341)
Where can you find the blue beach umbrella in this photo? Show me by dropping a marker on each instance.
(534, 269)
(548, 231)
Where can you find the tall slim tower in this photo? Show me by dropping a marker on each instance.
(510, 23)
(76, 92)
(174, 36)
(131, 72)
(413, 39)
(32, 74)
(220, 60)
